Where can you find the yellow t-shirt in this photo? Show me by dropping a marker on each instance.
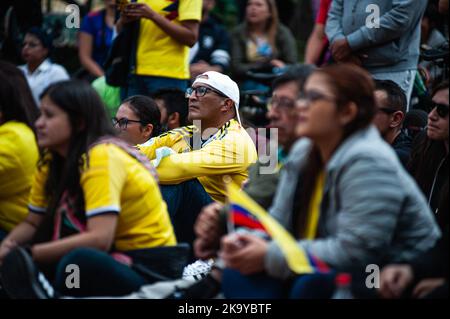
(229, 152)
(314, 208)
(158, 54)
(18, 158)
(116, 182)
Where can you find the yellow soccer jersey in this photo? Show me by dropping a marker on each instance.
(229, 152)
(116, 182)
(158, 54)
(178, 140)
(18, 158)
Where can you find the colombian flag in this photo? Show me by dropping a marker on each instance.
(244, 212)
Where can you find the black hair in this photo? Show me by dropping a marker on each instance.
(174, 101)
(296, 73)
(396, 97)
(16, 100)
(89, 122)
(45, 39)
(146, 110)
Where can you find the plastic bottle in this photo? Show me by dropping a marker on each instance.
(343, 287)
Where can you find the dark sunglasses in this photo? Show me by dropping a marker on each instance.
(441, 109)
(123, 122)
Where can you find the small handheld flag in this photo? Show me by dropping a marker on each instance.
(244, 212)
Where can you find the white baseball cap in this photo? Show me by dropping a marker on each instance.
(224, 84)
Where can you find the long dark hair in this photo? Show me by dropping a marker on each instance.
(89, 122)
(349, 84)
(16, 100)
(146, 110)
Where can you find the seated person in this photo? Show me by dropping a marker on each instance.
(137, 119)
(391, 109)
(261, 43)
(211, 53)
(335, 219)
(39, 71)
(18, 149)
(214, 147)
(94, 202)
(172, 104)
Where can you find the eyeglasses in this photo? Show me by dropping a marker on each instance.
(441, 109)
(313, 96)
(201, 91)
(282, 103)
(123, 122)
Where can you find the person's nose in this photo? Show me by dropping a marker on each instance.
(433, 116)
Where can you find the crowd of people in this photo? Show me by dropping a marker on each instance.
(130, 182)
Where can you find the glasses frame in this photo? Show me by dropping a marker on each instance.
(205, 90)
(314, 96)
(115, 121)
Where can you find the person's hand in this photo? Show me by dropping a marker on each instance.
(207, 225)
(340, 49)
(204, 250)
(277, 63)
(6, 247)
(394, 280)
(426, 286)
(244, 253)
(198, 68)
(139, 10)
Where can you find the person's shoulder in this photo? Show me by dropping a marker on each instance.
(15, 132)
(59, 70)
(104, 151)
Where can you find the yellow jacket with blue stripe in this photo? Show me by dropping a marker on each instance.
(229, 152)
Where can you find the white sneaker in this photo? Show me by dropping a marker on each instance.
(198, 270)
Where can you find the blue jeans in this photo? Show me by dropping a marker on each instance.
(184, 203)
(261, 286)
(99, 275)
(148, 85)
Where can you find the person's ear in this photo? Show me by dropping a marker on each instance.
(227, 106)
(348, 113)
(174, 120)
(397, 119)
(147, 131)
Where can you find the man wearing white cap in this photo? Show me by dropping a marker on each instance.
(214, 147)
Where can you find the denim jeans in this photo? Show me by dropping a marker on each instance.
(184, 203)
(261, 286)
(148, 85)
